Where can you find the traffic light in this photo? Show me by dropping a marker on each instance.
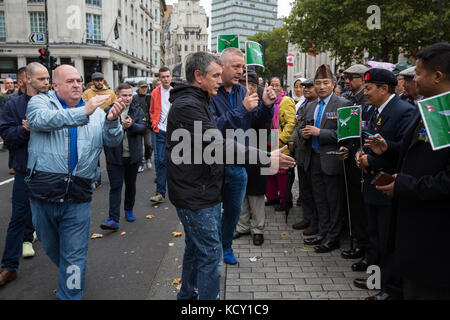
(43, 56)
(53, 64)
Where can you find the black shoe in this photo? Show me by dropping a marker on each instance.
(356, 253)
(258, 239)
(282, 207)
(327, 246)
(314, 241)
(381, 296)
(272, 202)
(300, 225)
(360, 283)
(237, 235)
(360, 266)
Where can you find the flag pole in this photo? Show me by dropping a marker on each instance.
(348, 206)
(246, 67)
(361, 147)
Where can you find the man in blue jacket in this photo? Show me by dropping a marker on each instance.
(122, 162)
(15, 131)
(233, 108)
(66, 138)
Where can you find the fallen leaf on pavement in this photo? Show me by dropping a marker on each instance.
(149, 216)
(176, 281)
(255, 259)
(177, 234)
(284, 233)
(96, 235)
(171, 244)
(304, 249)
(123, 233)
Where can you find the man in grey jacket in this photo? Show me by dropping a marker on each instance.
(66, 138)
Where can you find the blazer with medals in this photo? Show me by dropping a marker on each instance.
(328, 134)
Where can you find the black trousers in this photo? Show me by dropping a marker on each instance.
(306, 197)
(416, 291)
(377, 253)
(358, 216)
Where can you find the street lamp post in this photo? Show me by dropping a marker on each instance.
(151, 49)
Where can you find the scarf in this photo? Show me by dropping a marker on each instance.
(276, 111)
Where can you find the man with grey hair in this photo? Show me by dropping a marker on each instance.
(66, 138)
(234, 108)
(195, 188)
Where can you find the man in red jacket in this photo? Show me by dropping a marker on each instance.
(159, 110)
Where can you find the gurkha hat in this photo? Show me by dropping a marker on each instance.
(324, 72)
(410, 72)
(357, 69)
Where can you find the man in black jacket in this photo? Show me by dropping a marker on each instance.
(15, 131)
(195, 182)
(421, 190)
(122, 162)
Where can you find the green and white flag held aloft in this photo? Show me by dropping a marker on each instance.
(435, 113)
(254, 54)
(349, 122)
(225, 41)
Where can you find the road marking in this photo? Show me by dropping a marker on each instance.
(6, 181)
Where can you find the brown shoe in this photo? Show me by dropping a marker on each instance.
(300, 225)
(7, 276)
(310, 231)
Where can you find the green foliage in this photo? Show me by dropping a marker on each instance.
(276, 50)
(341, 27)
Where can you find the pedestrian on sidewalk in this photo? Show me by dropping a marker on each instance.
(66, 138)
(15, 131)
(122, 162)
(159, 111)
(195, 188)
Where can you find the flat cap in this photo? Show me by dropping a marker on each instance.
(308, 82)
(142, 83)
(380, 76)
(410, 72)
(357, 69)
(97, 75)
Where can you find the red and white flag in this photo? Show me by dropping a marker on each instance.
(290, 59)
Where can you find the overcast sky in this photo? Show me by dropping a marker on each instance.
(284, 6)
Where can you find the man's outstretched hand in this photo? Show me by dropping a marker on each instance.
(284, 161)
(116, 110)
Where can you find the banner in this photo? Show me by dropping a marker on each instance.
(227, 41)
(435, 113)
(254, 54)
(290, 60)
(349, 122)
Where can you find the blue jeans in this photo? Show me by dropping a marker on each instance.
(63, 230)
(202, 261)
(117, 176)
(18, 225)
(159, 148)
(235, 186)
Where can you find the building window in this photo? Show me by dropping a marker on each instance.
(96, 3)
(33, 1)
(37, 21)
(93, 30)
(2, 27)
(156, 59)
(156, 37)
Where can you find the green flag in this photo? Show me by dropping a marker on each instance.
(349, 122)
(227, 41)
(435, 113)
(254, 54)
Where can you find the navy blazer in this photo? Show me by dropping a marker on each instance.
(391, 124)
(14, 135)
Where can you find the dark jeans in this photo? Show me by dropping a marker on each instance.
(159, 147)
(148, 148)
(21, 221)
(127, 173)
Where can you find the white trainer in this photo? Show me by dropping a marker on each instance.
(27, 250)
(149, 164)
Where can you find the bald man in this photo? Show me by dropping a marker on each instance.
(15, 131)
(66, 138)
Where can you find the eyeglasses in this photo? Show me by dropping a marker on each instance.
(352, 76)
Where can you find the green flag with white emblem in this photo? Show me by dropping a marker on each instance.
(349, 122)
(254, 54)
(227, 41)
(435, 113)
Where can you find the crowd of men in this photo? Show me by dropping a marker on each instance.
(55, 138)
